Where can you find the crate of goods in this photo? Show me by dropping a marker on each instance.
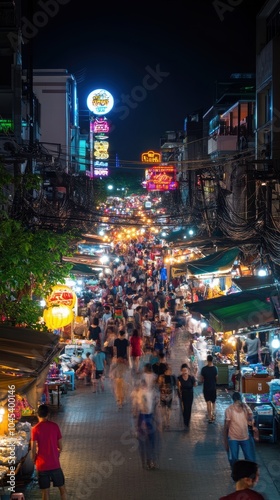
(265, 423)
(274, 386)
(264, 410)
(250, 398)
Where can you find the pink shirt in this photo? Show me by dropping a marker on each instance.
(237, 419)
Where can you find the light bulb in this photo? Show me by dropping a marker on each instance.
(275, 343)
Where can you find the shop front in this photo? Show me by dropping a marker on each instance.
(234, 318)
(24, 364)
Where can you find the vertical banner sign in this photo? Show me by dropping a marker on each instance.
(99, 102)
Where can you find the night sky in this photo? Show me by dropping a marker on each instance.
(159, 60)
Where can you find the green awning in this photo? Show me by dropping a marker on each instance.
(242, 315)
(83, 270)
(204, 307)
(221, 261)
(253, 282)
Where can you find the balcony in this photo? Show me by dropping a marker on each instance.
(222, 143)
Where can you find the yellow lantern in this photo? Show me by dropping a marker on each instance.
(61, 295)
(58, 316)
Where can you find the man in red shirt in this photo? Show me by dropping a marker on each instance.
(46, 446)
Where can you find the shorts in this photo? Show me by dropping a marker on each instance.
(210, 395)
(45, 477)
(98, 374)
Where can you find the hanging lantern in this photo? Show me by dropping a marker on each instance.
(61, 295)
(58, 316)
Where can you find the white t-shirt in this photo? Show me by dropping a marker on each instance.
(146, 328)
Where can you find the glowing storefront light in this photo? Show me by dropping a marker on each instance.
(100, 125)
(162, 178)
(151, 157)
(100, 102)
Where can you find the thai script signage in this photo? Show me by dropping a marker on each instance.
(151, 157)
(161, 178)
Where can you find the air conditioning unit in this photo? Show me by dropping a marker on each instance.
(7, 146)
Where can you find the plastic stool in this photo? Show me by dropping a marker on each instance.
(71, 375)
(17, 496)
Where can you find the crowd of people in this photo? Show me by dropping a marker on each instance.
(134, 315)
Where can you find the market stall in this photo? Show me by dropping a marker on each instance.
(266, 408)
(24, 363)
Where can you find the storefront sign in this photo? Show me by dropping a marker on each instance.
(100, 102)
(162, 178)
(61, 295)
(151, 157)
(101, 172)
(100, 125)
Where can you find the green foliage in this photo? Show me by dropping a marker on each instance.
(31, 263)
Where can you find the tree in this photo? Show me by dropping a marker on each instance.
(31, 263)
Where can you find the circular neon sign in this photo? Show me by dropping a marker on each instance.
(100, 102)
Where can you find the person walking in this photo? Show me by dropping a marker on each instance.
(94, 331)
(209, 377)
(147, 330)
(144, 403)
(121, 346)
(167, 385)
(99, 359)
(136, 352)
(245, 474)
(46, 446)
(118, 375)
(238, 416)
(185, 384)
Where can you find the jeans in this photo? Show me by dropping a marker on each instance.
(247, 446)
(147, 437)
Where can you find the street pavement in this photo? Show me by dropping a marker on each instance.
(101, 460)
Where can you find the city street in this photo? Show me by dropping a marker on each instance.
(100, 458)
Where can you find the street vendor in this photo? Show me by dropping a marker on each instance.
(251, 348)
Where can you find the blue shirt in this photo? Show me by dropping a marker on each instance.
(99, 360)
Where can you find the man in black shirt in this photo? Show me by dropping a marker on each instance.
(94, 331)
(209, 376)
(121, 346)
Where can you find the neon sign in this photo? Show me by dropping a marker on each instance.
(100, 125)
(151, 157)
(100, 102)
(162, 178)
(101, 172)
(101, 150)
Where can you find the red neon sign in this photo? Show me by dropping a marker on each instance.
(162, 178)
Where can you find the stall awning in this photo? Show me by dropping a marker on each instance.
(25, 356)
(218, 262)
(221, 261)
(204, 307)
(84, 269)
(242, 315)
(22, 384)
(253, 282)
